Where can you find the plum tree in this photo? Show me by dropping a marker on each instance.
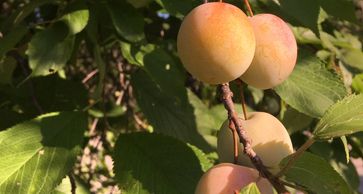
(216, 42)
(275, 55)
(270, 141)
(226, 178)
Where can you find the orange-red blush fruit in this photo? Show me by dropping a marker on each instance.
(216, 42)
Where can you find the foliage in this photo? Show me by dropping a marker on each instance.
(93, 94)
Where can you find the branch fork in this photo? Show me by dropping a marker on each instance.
(236, 126)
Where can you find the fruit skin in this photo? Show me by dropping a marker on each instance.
(216, 42)
(275, 55)
(225, 178)
(270, 140)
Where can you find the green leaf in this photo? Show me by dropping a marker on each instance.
(357, 83)
(114, 111)
(150, 163)
(164, 101)
(135, 54)
(311, 88)
(178, 8)
(65, 95)
(333, 152)
(295, 121)
(128, 52)
(316, 175)
(37, 154)
(65, 187)
(128, 22)
(256, 93)
(76, 20)
(168, 114)
(11, 38)
(342, 9)
(305, 12)
(250, 189)
(343, 118)
(7, 67)
(207, 122)
(353, 58)
(204, 161)
(50, 49)
(166, 72)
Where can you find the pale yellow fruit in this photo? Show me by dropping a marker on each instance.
(216, 42)
(270, 140)
(226, 178)
(275, 55)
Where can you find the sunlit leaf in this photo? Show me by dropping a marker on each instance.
(311, 88)
(37, 154)
(343, 118)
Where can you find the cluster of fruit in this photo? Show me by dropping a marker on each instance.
(218, 43)
(270, 141)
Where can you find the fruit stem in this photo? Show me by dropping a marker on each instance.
(295, 156)
(248, 7)
(244, 109)
(235, 123)
(235, 142)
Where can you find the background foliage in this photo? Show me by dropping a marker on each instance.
(93, 95)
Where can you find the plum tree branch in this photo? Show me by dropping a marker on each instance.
(236, 125)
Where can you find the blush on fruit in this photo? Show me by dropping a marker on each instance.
(275, 55)
(226, 178)
(216, 42)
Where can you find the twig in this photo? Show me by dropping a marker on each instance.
(140, 122)
(123, 83)
(89, 76)
(73, 183)
(246, 141)
(92, 130)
